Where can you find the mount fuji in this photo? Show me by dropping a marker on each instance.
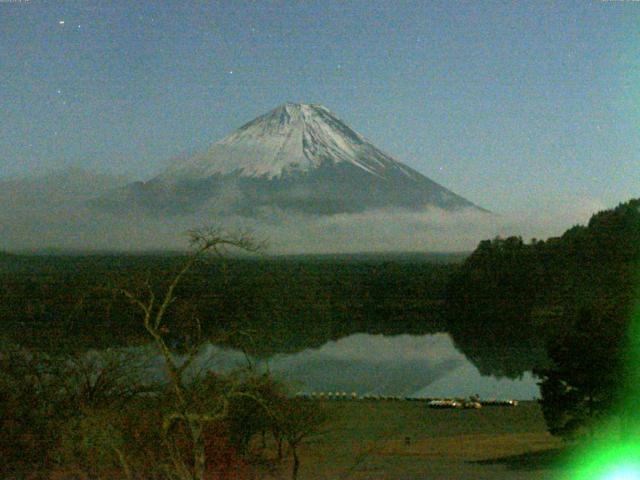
(297, 157)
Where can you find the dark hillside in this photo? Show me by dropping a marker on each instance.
(288, 303)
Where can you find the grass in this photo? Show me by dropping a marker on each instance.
(407, 440)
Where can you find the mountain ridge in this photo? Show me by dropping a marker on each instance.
(298, 157)
(290, 138)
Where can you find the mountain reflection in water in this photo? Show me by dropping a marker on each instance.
(402, 365)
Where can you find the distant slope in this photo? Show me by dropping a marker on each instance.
(49, 209)
(58, 186)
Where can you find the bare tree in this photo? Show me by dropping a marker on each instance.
(297, 419)
(102, 378)
(204, 242)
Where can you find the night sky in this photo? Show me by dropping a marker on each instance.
(508, 105)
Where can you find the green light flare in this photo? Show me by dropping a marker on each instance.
(629, 397)
(604, 461)
(616, 455)
(623, 473)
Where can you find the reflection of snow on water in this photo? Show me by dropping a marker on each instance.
(405, 365)
(466, 380)
(363, 363)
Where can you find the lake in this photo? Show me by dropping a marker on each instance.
(398, 365)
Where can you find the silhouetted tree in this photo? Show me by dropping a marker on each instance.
(586, 375)
(186, 417)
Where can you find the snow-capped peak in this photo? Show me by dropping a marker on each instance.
(290, 138)
(297, 157)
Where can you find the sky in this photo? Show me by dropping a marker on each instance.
(512, 105)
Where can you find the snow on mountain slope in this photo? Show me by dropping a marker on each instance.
(289, 139)
(296, 157)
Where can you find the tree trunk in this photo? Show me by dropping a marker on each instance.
(591, 414)
(123, 463)
(296, 463)
(199, 453)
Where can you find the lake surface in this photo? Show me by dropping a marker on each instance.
(403, 365)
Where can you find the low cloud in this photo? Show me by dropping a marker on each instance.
(36, 216)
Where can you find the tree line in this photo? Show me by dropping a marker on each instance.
(563, 308)
(288, 303)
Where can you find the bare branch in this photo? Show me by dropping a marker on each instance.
(135, 300)
(203, 241)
